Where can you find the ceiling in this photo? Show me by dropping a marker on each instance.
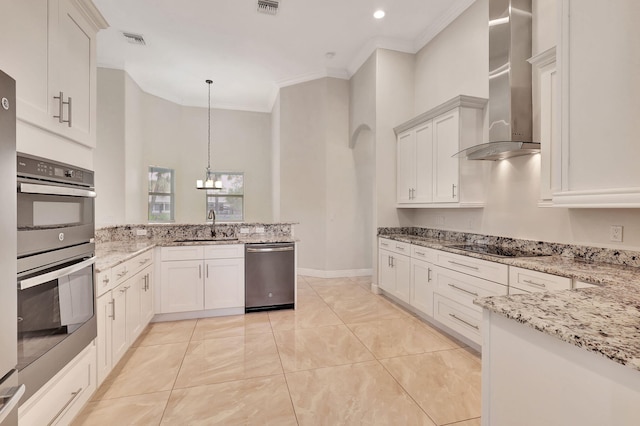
(250, 55)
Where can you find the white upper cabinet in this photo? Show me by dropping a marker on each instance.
(427, 173)
(49, 48)
(596, 163)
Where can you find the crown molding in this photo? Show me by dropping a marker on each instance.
(445, 19)
(91, 13)
(399, 45)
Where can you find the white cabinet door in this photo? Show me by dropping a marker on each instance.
(182, 286)
(24, 43)
(446, 134)
(104, 319)
(224, 283)
(133, 288)
(422, 286)
(402, 270)
(386, 274)
(146, 297)
(119, 324)
(423, 164)
(406, 173)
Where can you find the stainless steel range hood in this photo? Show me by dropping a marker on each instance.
(510, 109)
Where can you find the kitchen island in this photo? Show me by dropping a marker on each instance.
(562, 358)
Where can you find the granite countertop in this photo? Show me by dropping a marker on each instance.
(604, 319)
(110, 254)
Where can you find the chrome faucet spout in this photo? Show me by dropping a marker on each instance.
(212, 217)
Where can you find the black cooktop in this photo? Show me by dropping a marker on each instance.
(495, 250)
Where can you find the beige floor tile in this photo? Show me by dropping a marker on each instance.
(160, 333)
(146, 369)
(302, 284)
(446, 384)
(143, 409)
(309, 314)
(345, 291)
(263, 401)
(236, 325)
(471, 422)
(366, 309)
(229, 358)
(354, 394)
(304, 349)
(399, 336)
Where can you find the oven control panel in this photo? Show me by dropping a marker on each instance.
(31, 166)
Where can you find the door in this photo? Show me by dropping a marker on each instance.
(119, 323)
(224, 283)
(104, 317)
(182, 286)
(133, 287)
(402, 270)
(421, 286)
(423, 159)
(406, 167)
(446, 141)
(386, 274)
(146, 298)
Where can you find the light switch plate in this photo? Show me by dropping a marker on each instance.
(615, 233)
(141, 232)
(244, 230)
(259, 229)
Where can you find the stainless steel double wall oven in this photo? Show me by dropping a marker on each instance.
(56, 256)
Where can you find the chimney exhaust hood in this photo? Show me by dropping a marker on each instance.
(510, 108)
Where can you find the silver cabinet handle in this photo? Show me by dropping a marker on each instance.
(535, 283)
(453, 190)
(61, 103)
(199, 271)
(70, 111)
(462, 264)
(143, 261)
(464, 322)
(113, 309)
(54, 275)
(106, 280)
(428, 275)
(409, 193)
(123, 273)
(10, 401)
(462, 289)
(420, 253)
(74, 395)
(207, 272)
(399, 247)
(413, 193)
(392, 264)
(30, 188)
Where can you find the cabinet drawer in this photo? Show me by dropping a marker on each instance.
(141, 261)
(534, 281)
(423, 253)
(464, 288)
(485, 269)
(466, 321)
(104, 283)
(62, 398)
(121, 272)
(394, 246)
(182, 253)
(224, 251)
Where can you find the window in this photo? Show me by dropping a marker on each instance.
(161, 194)
(228, 202)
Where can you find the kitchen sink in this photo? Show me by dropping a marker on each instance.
(205, 240)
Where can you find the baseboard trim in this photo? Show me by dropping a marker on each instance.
(318, 273)
(178, 316)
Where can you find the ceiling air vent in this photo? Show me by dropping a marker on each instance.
(134, 38)
(270, 7)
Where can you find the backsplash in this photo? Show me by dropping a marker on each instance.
(196, 231)
(582, 253)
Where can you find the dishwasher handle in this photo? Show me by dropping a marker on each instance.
(268, 249)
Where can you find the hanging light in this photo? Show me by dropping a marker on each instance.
(208, 182)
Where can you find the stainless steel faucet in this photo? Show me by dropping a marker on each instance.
(212, 218)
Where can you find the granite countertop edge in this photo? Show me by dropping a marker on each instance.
(113, 253)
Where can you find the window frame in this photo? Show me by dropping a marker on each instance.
(216, 194)
(171, 195)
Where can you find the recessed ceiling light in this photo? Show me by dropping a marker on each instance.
(379, 14)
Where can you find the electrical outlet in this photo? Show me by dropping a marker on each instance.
(259, 229)
(244, 230)
(141, 232)
(615, 233)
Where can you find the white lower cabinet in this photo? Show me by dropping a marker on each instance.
(422, 286)
(123, 311)
(199, 278)
(62, 398)
(395, 274)
(459, 317)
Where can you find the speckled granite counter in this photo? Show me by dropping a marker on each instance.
(604, 320)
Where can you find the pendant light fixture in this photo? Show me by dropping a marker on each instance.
(208, 182)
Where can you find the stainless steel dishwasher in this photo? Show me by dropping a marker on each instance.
(269, 276)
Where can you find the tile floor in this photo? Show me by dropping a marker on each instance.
(344, 357)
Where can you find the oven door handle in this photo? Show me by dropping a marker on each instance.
(31, 188)
(53, 275)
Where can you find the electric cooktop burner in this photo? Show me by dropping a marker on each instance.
(495, 250)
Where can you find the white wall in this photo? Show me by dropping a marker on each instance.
(455, 63)
(160, 133)
(275, 160)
